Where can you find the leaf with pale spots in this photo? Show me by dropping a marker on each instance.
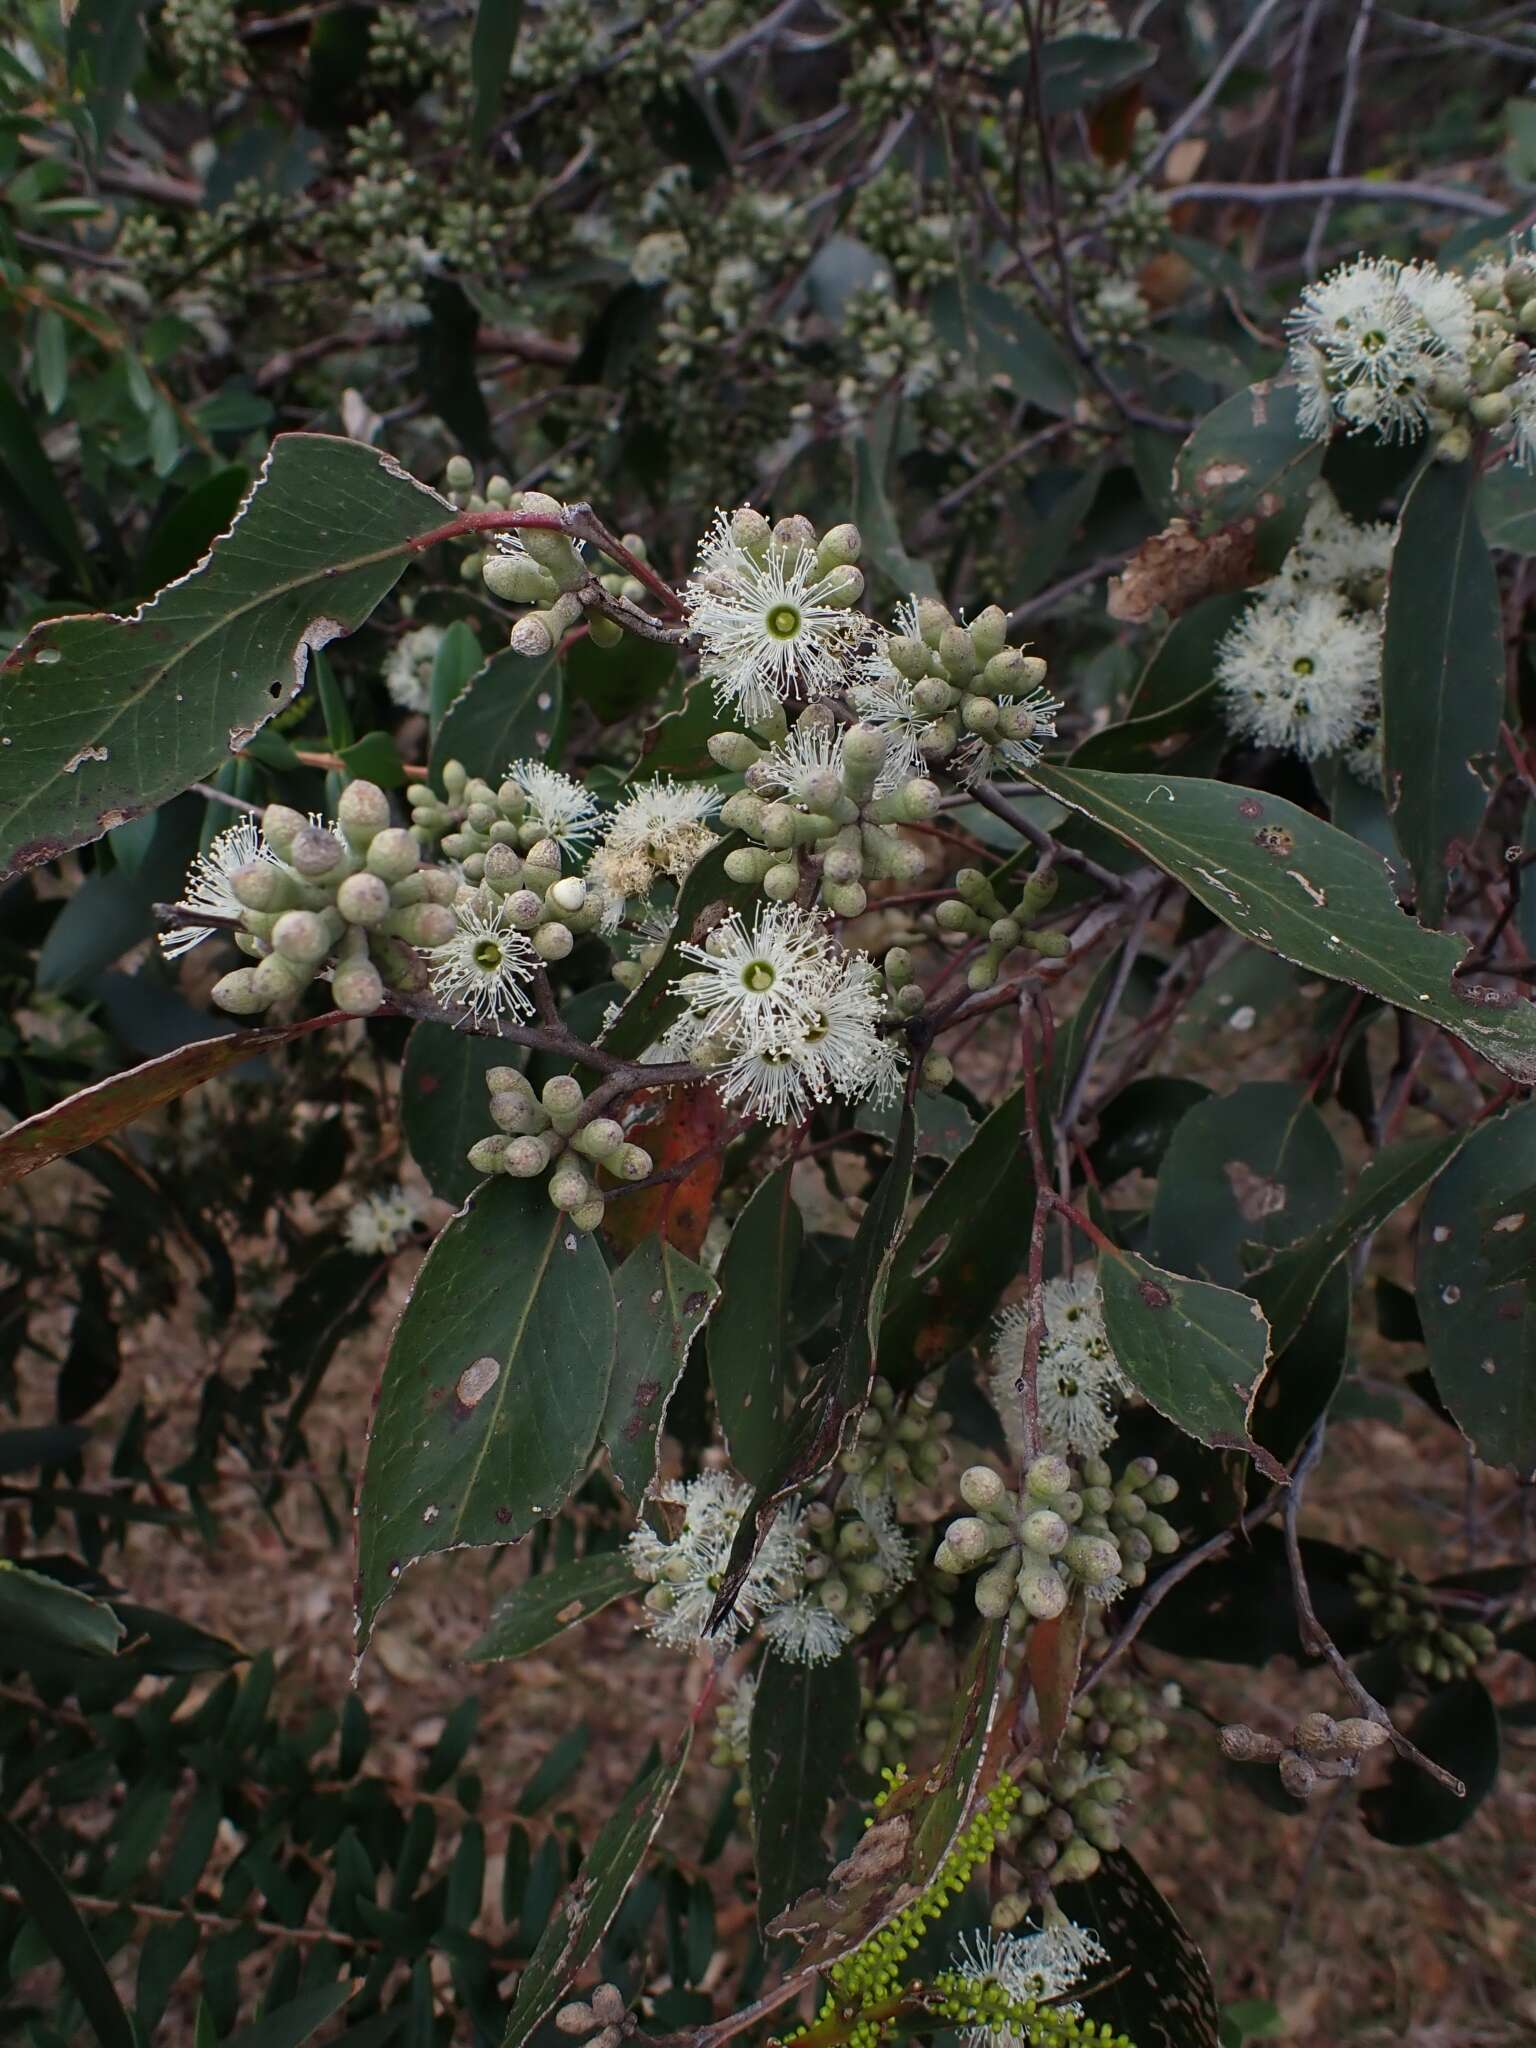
(493, 1391)
(1195, 1351)
(1310, 893)
(105, 717)
(542, 1607)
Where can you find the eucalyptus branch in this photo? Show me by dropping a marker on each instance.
(987, 795)
(551, 1036)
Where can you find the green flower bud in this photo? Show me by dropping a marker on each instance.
(364, 899)
(994, 1592)
(840, 545)
(513, 1112)
(631, 1163)
(734, 751)
(782, 882)
(277, 978)
(237, 993)
(301, 936)
(315, 851)
(982, 1488)
(933, 619)
(956, 653)
(1045, 1531)
(1049, 1478)
(392, 855)
(586, 1216)
(516, 579)
(421, 924)
(909, 658)
(525, 1157)
(968, 1539)
(361, 811)
(357, 987)
(936, 1072)
(569, 1187)
(553, 941)
(263, 887)
(1042, 1593)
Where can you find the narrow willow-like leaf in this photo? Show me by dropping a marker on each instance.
(805, 1728)
(108, 716)
(1442, 677)
(583, 1915)
(493, 1391)
(45, 1897)
(544, 1606)
(37, 1609)
(1308, 892)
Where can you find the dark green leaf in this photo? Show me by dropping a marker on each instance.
(1442, 677)
(105, 47)
(36, 1609)
(295, 2022)
(512, 710)
(661, 1299)
(1078, 70)
(1137, 1125)
(1159, 1992)
(805, 1730)
(493, 1390)
(544, 1606)
(1481, 1330)
(1459, 1729)
(45, 1898)
(374, 758)
(35, 505)
(443, 1102)
(1238, 1608)
(555, 1772)
(459, 657)
(111, 716)
(876, 521)
(1000, 338)
(1310, 893)
(189, 529)
(1195, 1351)
(165, 1951)
(837, 1392)
(1506, 508)
(1247, 457)
(490, 58)
(751, 1351)
(1304, 1374)
(583, 1915)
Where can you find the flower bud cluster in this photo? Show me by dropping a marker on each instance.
(730, 1747)
(204, 38)
(889, 216)
(887, 1727)
(1071, 1809)
(603, 2020)
(812, 798)
(976, 911)
(1407, 1615)
(554, 1132)
(858, 1558)
(1319, 1749)
(900, 1448)
(350, 899)
(400, 52)
(957, 693)
(1071, 1528)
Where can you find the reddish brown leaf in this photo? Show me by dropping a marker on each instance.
(1054, 1653)
(96, 1111)
(692, 1120)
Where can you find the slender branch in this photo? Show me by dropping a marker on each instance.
(577, 521)
(1316, 1639)
(1176, 130)
(220, 796)
(1339, 149)
(1293, 191)
(550, 1036)
(1107, 1009)
(987, 795)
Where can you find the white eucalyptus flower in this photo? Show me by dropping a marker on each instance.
(661, 828)
(978, 757)
(802, 1631)
(1373, 333)
(1043, 1965)
(379, 1224)
(806, 766)
(207, 886)
(767, 625)
(558, 805)
(757, 988)
(1300, 671)
(487, 964)
(882, 697)
(686, 1573)
(1077, 1377)
(408, 669)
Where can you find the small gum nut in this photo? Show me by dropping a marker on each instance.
(968, 1539)
(315, 851)
(300, 936)
(567, 895)
(1042, 1593)
(937, 1071)
(1093, 1559)
(1045, 1531)
(553, 941)
(485, 1154)
(513, 1112)
(1049, 1477)
(362, 810)
(994, 1592)
(364, 899)
(531, 636)
(525, 1157)
(236, 992)
(357, 988)
(600, 1138)
(1297, 1774)
(608, 2004)
(631, 1163)
(982, 1488)
(1356, 1736)
(280, 826)
(1245, 1745)
(1315, 1733)
(576, 2018)
(393, 854)
(561, 1098)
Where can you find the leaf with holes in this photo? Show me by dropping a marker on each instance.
(493, 1390)
(96, 1112)
(805, 1730)
(1196, 1352)
(661, 1299)
(544, 1606)
(108, 716)
(1308, 892)
(1479, 1327)
(1247, 459)
(583, 1915)
(1442, 677)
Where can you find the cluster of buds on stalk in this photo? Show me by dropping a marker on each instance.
(1319, 1749)
(978, 912)
(553, 1132)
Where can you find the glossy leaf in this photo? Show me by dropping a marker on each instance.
(1442, 677)
(444, 1103)
(1248, 458)
(1459, 1728)
(837, 1391)
(110, 716)
(41, 1610)
(582, 1917)
(494, 1388)
(97, 1111)
(751, 1352)
(547, 1604)
(1480, 1329)
(296, 2022)
(661, 1299)
(1306, 891)
(1158, 1991)
(805, 1730)
(1195, 1351)
(512, 710)
(43, 1894)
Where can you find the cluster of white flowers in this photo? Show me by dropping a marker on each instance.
(1301, 670)
(1043, 1965)
(1078, 1378)
(207, 887)
(769, 619)
(685, 1574)
(379, 1224)
(661, 828)
(559, 807)
(785, 1016)
(1398, 348)
(408, 670)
